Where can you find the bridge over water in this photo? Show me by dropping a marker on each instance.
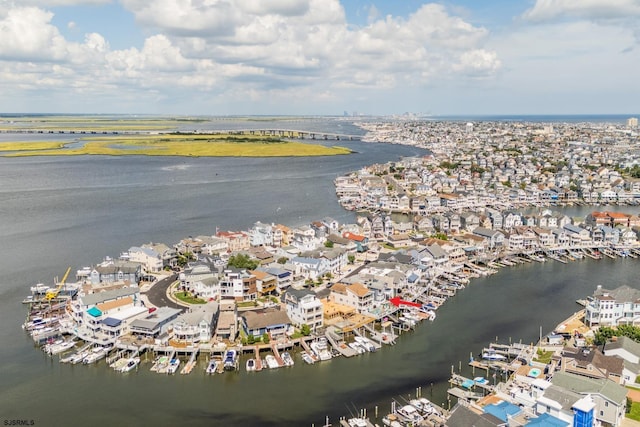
(276, 133)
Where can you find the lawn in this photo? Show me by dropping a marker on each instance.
(634, 413)
(188, 298)
(543, 356)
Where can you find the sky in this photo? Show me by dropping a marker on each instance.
(320, 57)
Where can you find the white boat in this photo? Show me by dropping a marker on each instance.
(212, 367)
(357, 347)
(410, 414)
(357, 422)
(272, 363)
(287, 359)
(60, 347)
(132, 363)
(251, 365)
(173, 366)
(306, 357)
(321, 348)
(365, 343)
(94, 355)
(492, 355)
(231, 360)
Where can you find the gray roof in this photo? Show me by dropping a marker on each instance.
(622, 294)
(199, 313)
(101, 297)
(463, 416)
(265, 318)
(151, 321)
(566, 398)
(297, 294)
(624, 343)
(583, 385)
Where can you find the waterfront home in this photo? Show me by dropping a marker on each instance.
(629, 351)
(227, 328)
(354, 295)
(281, 235)
(303, 308)
(274, 322)
(169, 255)
(238, 284)
(103, 317)
(614, 307)
(116, 271)
(236, 240)
(578, 236)
(149, 258)
(154, 324)
(196, 325)
(495, 238)
(261, 234)
(609, 399)
(342, 242)
(212, 245)
(591, 363)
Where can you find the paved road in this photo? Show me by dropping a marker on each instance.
(157, 295)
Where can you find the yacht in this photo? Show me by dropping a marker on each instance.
(410, 413)
(356, 347)
(251, 365)
(231, 360)
(321, 349)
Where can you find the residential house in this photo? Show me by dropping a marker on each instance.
(629, 351)
(495, 238)
(355, 295)
(609, 398)
(591, 363)
(614, 307)
(238, 284)
(151, 261)
(273, 322)
(196, 325)
(236, 240)
(303, 308)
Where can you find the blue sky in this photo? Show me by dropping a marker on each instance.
(320, 56)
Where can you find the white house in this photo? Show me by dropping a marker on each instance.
(304, 308)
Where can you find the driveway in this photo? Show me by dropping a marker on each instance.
(157, 295)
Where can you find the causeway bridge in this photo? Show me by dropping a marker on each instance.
(274, 133)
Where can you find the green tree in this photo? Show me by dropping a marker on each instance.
(603, 334)
(242, 261)
(305, 330)
(282, 260)
(328, 244)
(265, 338)
(351, 258)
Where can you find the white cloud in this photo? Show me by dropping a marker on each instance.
(26, 33)
(53, 3)
(545, 10)
(280, 49)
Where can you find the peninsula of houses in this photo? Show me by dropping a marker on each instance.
(425, 227)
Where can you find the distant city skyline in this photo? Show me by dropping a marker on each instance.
(320, 57)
